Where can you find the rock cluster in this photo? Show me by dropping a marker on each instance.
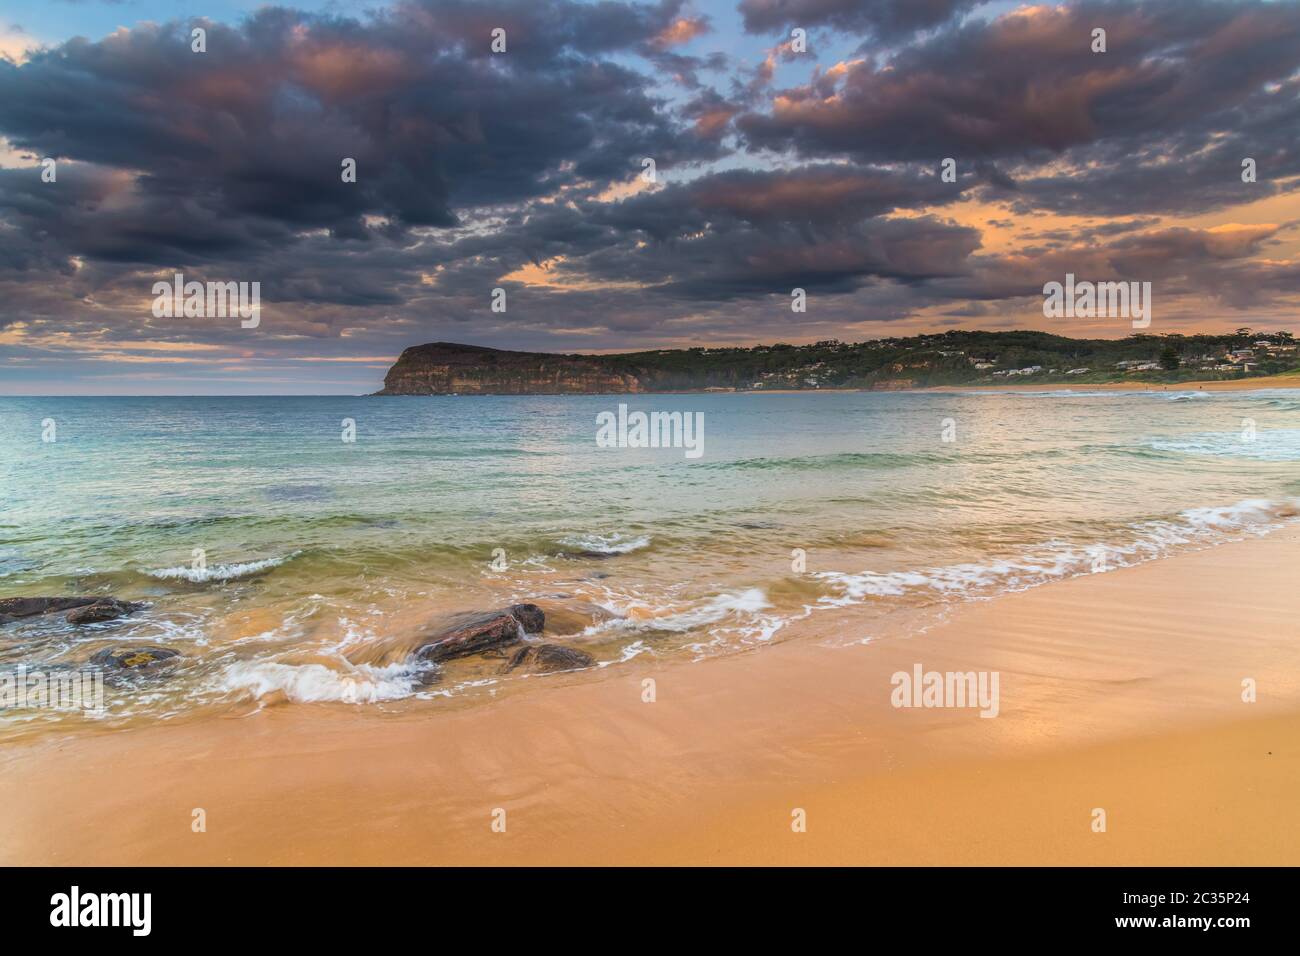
(492, 632)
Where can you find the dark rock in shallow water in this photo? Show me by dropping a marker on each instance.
(484, 633)
(133, 658)
(532, 617)
(550, 657)
(472, 638)
(107, 609)
(11, 609)
(82, 610)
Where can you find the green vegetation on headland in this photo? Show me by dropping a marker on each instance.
(948, 358)
(981, 358)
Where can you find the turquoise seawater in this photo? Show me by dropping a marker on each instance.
(289, 566)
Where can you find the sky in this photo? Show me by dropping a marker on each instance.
(778, 165)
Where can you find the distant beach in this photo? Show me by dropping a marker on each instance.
(1243, 384)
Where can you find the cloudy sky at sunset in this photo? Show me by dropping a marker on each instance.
(775, 169)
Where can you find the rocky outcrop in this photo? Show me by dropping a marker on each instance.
(133, 658)
(484, 632)
(11, 609)
(106, 608)
(531, 617)
(547, 658)
(442, 368)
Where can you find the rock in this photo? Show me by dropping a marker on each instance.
(472, 638)
(546, 658)
(484, 633)
(107, 609)
(532, 617)
(13, 608)
(133, 658)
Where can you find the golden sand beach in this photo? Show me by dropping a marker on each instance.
(1120, 692)
(1244, 384)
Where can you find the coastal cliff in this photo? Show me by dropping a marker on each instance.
(443, 368)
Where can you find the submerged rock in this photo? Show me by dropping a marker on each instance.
(484, 633)
(572, 617)
(546, 658)
(11, 609)
(133, 658)
(107, 609)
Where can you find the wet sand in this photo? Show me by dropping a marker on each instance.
(1120, 691)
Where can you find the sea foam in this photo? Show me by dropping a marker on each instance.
(311, 683)
(613, 543)
(219, 572)
(1053, 560)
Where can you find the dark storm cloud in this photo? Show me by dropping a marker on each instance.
(1218, 265)
(1128, 176)
(733, 234)
(1179, 78)
(724, 263)
(98, 213)
(811, 196)
(885, 19)
(256, 128)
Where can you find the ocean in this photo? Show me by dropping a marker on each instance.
(291, 567)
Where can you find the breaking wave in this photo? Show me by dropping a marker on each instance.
(1268, 444)
(614, 543)
(313, 683)
(218, 572)
(1053, 561)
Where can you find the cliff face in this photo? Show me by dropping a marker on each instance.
(442, 368)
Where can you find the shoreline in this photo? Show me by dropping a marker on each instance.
(1255, 383)
(1285, 380)
(1105, 679)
